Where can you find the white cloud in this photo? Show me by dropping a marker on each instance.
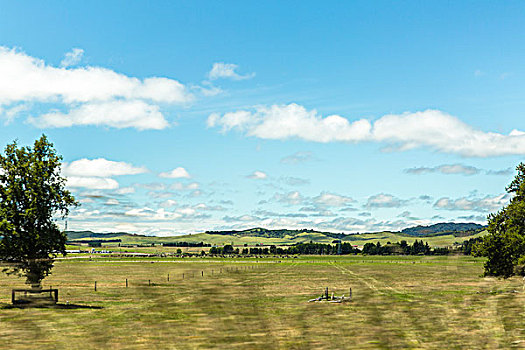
(447, 169)
(257, 175)
(100, 167)
(125, 190)
(383, 200)
(431, 128)
(181, 187)
(332, 200)
(12, 112)
(72, 58)
(192, 186)
(453, 169)
(288, 121)
(94, 94)
(175, 173)
(25, 78)
(294, 181)
(208, 89)
(480, 204)
(290, 198)
(94, 183)
(168, 203)
(150, 214)
(222, 70)
(112, 201)
(116, 114)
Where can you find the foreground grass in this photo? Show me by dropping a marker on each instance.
(399, 302)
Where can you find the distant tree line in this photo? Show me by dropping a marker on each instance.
(403, 248)
(95, 241)
(419, 247)
(186, 244)
(310, 248)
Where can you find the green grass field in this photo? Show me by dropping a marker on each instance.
(398, 303)
(357, 239)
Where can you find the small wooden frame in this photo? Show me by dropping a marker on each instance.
(333, 298)
(30, 296)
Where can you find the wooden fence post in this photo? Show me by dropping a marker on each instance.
(95, 286)
(126, 283)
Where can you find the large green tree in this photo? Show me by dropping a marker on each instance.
(32, 198)
(505, 243)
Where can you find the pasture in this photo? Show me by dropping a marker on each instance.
(398, 303)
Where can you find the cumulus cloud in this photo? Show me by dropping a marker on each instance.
(182, 187)
(100, 167)
(473, 203)
(290, 198)
(175, 173)
(452, 169)
(168, 203)
(446, 169)
(257, 175)
(430, 128)
(72, 58)
(93, 95)
(289, 121)
(112, 201)
(161, 214)
(116, 114)
(222, 70)
(332, 200)
(383, 200)
(125, 190)
(294, 181)
(94, 183)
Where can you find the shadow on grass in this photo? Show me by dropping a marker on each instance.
(4, 306)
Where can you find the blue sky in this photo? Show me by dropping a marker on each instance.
(177, 117)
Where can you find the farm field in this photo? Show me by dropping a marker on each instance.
(398, 302)
(356, 239)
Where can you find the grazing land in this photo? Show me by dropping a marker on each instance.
(258, 236)
(398, 302)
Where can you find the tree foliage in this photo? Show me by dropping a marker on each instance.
(32, 198)
(505, 243)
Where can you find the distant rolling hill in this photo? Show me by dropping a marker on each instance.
(462, 229)
(444, 234)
